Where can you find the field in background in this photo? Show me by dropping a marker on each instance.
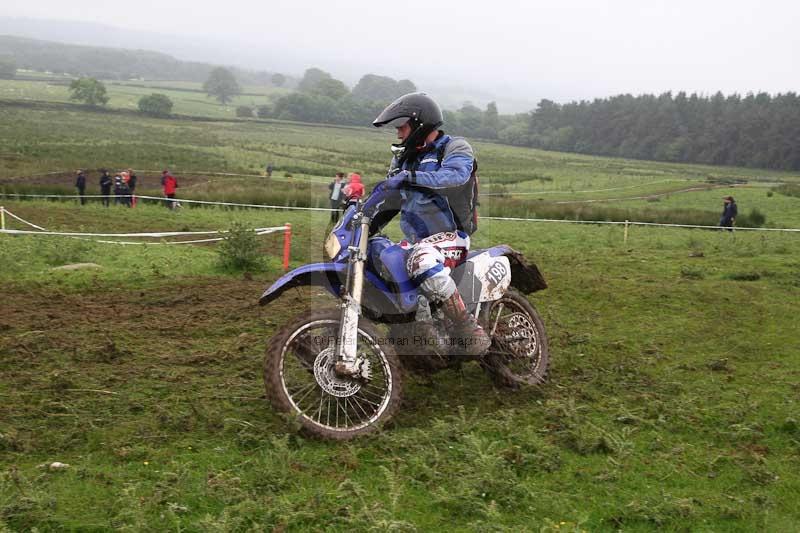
(514, 181)
(674, 389)
(188, 97)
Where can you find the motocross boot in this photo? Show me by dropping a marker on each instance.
(467, 334)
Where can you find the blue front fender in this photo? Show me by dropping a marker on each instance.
(328, 275)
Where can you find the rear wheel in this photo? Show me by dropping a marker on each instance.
(519, 353)
(300, 379)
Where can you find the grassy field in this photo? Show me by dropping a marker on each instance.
(672, 402)
(514, 181)
(187, 97)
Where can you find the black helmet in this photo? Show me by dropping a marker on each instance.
(418, 108)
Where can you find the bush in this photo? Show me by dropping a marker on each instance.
(689, 272)
(89, 91)
(157, 105)
(264, 111)
(756, 217)
(244, 111)
(58, 252)
(239, 250)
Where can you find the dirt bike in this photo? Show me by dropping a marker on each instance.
(340, 372)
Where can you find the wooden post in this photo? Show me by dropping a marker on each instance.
(2, 217)
(625, 237)
(287, 245)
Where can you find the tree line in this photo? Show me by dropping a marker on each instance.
(322, 98)
(756, 130)
(116, 63)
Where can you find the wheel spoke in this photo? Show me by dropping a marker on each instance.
(321, 400)
(366, 400)
(354, 398)
(311, 386)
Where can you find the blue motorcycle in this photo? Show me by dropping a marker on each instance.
(340, 371)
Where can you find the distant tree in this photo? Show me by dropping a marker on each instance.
(471, 118)
(381, 88)
(244, 111)
(331, 88)
(8, 67)
(311, 79)
(157, 105)
(405, 87)
(491, 122)
(222, 85)
(278, 79)
(89, 91)
(491, 116)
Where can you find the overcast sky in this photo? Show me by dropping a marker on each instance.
(526, 50)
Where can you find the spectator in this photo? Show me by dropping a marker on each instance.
(132, 179)
(729, 212)
(336, 195)
(118, 183)
(80, 183)
(125, 192)
(105, 186)
(170, 184)
(354, 190)
(269, 170)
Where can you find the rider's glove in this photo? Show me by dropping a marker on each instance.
(395, 181)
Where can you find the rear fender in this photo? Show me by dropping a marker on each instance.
(327, 275)
(525, 275)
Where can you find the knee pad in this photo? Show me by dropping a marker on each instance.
(438, 287)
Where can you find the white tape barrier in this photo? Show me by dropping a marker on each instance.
(174, 200)
(7, 212)
(510, 219)
(43, 231)
(633, 223)
(259, 231)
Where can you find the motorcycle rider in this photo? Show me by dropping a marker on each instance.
(433, 174)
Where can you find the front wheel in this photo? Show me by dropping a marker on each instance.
(519, 354)
(300, 379)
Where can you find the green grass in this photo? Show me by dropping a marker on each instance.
(672, 402)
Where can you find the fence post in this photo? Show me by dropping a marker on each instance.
(625, 238)
(2, 217)
(287, 245)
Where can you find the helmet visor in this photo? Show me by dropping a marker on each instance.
(398, 122)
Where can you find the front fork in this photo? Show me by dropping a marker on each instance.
(347, 363)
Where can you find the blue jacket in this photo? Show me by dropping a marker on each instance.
(729, 212)
(424, 211)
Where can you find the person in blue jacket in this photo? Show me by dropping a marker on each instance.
(729, 212)
(80, 184)
(431, 180)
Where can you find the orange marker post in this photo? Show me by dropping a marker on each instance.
(287, 245)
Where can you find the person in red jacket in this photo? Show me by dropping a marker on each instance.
(170, 184)
(354, 190)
